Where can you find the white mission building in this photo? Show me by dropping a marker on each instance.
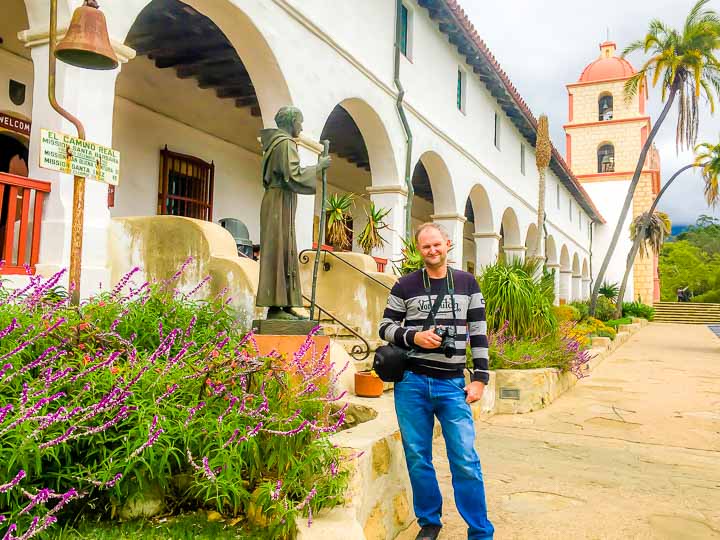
(198, 80)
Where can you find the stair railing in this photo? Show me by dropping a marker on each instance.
(304, 258)
(358, 352)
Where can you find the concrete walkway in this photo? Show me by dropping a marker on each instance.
(631, 452)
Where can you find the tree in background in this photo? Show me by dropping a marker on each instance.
(684, 64)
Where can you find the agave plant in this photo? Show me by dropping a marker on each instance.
(609, 290)
(338, 212)
(411, 258)
(370, 237)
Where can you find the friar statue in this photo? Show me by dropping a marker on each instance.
(283, 178)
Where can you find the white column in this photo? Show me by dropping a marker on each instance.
(393, 198)
(586, 289)
(555, 269)
(565, 285)
(514, 253)
(576, 288)
(90, 96)
(307, 204)
(454, 224)
(487, 247)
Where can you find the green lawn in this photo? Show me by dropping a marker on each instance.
(187, 527)
(617, 322)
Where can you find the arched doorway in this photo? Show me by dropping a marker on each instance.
(565, 288)
(204, 83)
(481, 240)
(512, 246)
(362, 159)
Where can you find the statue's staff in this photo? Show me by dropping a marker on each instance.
(321, 233)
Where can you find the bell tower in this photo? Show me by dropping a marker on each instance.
(604, 136)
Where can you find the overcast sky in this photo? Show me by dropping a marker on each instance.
(545, 45)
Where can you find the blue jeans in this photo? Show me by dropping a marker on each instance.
(418, 399)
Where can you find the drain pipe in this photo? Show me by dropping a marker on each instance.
(403, 119)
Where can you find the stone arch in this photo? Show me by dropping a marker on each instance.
(585, 269)
(510, 229)
(551, 251)
(243, 34)
(441, 185)
(576, 265)
(481, 209)
(565, 259)
(531, 240)
(376, 139)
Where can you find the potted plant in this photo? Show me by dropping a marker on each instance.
(338, 213)
(368, 384)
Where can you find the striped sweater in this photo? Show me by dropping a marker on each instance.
(409, 302)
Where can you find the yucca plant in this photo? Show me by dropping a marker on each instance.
(338, 212)
(370, 237)
(517, 300)
(609, 290)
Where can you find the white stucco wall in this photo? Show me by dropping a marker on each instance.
(607, 197)
(139, 134)
(21, 70)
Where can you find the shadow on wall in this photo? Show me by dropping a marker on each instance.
(159, 245)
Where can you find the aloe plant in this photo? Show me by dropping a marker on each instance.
(411, 258)
(370, 237)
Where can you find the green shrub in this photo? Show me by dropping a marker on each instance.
(518, 300)
(607, 332)
(566, 312)
(604, 309)
(128, 392)
(638, 309)
(710, 297)
(617, 322)
(583, 308)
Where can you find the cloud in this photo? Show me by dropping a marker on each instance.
(545, 45)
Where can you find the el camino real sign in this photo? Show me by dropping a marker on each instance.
(66, 154)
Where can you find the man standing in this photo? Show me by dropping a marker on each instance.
(434, 383)
(283, 178)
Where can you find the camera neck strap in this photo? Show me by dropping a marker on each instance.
(450, 288)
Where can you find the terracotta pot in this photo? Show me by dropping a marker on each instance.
(368, 385)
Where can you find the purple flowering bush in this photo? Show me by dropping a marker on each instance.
(560, 350)
(154, 388)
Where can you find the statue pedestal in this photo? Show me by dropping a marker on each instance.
(289, 345)
(282, 327)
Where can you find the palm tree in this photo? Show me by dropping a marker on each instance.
(543, 153)
(645, 227)
(685, 65)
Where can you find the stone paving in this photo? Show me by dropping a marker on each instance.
(631, 452)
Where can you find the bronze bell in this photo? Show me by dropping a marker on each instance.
(87, 44)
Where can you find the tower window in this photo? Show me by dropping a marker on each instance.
(606, 158)
(605, 107)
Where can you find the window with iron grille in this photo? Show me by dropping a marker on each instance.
(186, 186)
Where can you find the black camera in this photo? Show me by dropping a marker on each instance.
(448, 341)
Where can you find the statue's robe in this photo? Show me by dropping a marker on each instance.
(283, 179)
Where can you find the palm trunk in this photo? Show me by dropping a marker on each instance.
(629, 197)
(639, 235)
(540, 248)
